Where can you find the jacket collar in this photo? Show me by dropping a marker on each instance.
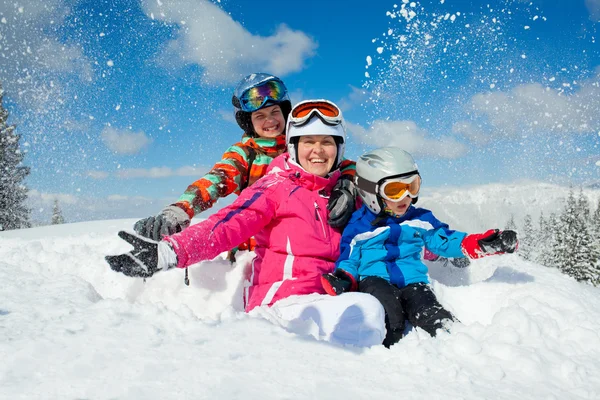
(271, 146)
(284, 166)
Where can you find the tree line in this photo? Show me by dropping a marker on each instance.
(14, 213)
(568, 240)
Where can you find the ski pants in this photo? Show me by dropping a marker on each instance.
(356, 319)
(415, 302)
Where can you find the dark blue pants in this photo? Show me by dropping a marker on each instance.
(415, 302)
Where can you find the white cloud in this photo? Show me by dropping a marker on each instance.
(471, 132)
(533, 108)
(31, 54)
(593, 7)
(117, 197)
(97, 174)
(47, 199)
(355, 97)
(124, 141)
(407, 135)
(227, 115)
(161, 172)
(210, 38)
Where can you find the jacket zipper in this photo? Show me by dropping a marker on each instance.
(317, 208)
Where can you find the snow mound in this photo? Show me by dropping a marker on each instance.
(72, 328)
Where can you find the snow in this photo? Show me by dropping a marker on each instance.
(72, 328)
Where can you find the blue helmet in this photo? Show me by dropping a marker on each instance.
(257, 91)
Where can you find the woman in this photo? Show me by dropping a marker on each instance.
(286, 211)
(261, 106)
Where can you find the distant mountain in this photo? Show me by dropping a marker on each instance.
(593, 185)
(477, 208)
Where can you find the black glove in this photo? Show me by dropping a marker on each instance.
(342, 203)
(490, 242)
(499, 242)
(146, 258)
(338, 282)
(172, 219)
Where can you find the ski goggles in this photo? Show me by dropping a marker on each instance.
(304, 111)
(396, 189)
(256, 97)
(393, 188)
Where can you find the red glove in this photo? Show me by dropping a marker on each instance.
(491, 242)
(338, 282)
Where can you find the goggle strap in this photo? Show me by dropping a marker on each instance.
(367, 186)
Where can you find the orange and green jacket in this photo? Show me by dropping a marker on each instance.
(231, 174)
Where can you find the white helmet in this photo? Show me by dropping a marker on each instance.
(316, 122)
(376, 166)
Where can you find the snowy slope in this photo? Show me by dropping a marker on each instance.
(480, 207)
(71, 328)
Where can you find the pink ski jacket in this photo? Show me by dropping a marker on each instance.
(286, 211)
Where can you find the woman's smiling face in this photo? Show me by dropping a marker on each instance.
(317, 153)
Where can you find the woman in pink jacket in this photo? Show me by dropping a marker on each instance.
(286, 211)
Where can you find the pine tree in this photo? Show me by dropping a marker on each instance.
(575, 252)
(13, 193)
(510, 224)
(595, 222)
(548, 238)
(526, 241)
(57, 217)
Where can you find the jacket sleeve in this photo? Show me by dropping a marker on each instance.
(440, 239)
(227, 176)
(349, 259)
(245, 217)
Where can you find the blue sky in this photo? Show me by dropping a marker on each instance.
(122, 104)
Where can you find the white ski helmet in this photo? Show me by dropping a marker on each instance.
(374, 167)
(316, 123)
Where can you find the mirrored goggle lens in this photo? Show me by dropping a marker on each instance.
(305, 109)
(256, 97)
(400, 188)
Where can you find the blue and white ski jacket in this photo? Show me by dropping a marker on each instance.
(392, 249)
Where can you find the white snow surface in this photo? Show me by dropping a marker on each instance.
(70, 328)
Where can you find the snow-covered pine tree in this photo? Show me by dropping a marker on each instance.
(510, 224)
(13, 193)
(584, 207)
(526, 240)
(547, 241)
(595, 230)
(566, 237)
(595, 222)
(57, 217)
(575, 251)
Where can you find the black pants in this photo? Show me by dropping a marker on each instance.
(415, 302)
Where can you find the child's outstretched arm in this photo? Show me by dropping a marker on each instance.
(229, 175)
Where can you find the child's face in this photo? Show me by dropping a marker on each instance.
(400, 207)
(268, 122)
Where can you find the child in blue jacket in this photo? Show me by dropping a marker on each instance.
(382, 246)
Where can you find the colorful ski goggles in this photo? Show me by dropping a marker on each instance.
(396, 189)
(256, 97)
(327, 111)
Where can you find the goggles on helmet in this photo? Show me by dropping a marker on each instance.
(393, 188)
(256, 97)
(327, 111)
(396, 189)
